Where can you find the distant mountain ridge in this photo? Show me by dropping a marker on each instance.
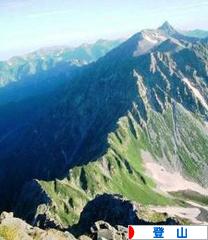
(44, 70)
(197, 33)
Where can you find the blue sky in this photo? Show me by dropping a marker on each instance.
(26, 25)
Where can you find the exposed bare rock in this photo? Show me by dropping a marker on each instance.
(103, 230)
(12, 228)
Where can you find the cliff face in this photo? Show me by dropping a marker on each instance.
(107, 216)
(101, 217)
(116, 211)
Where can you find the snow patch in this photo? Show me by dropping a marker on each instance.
(153, 64)
(196, 93)
(149, 39)
(167, 181)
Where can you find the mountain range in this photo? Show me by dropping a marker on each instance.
(131, 122)
(42, 71)
(197, 33)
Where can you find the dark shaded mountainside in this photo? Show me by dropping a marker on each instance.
(89, 135)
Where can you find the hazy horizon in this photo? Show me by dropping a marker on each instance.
(30, 25)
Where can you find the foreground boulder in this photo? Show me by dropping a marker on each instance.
(103, 230)
(12, 228)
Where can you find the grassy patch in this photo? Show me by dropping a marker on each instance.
(8, 233)
(192, 196)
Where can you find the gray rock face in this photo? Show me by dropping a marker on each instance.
(102, 230)
(167, 29)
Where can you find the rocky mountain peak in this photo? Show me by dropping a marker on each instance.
(167, 29)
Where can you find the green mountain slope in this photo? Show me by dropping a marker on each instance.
(121, 169)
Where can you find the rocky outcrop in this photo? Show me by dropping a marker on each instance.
(103, 230)
(105, 217)
(12, 228)
(115, 210)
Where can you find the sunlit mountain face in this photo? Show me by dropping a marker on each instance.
(125, 120)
